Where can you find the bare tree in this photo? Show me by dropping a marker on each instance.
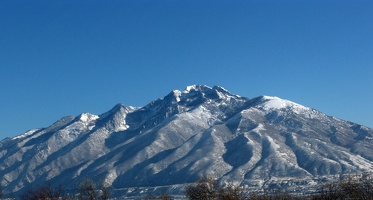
(87, 190)
(44, 192)
(357, 187)
(105, 191)
(205, 188)
(353, 187)
(232, 192)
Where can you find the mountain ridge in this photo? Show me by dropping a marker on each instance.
(202, 130)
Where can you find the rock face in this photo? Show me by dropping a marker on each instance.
(259, 142)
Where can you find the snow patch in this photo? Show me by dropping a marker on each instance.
(361, 162)
(195, 87)
(189, 88)
(30, 132)
(279, 150)
(275, 103)
(177, 95)
(122, 126)
(85, 117)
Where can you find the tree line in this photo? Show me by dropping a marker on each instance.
(358, 187)
(86, 190)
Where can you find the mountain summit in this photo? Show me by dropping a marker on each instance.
(259, 143)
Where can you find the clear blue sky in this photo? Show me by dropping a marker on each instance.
(61, 58)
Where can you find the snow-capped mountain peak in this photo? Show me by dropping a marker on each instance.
(273, 102)
(118, 108)
(192, 88)
(206, 92)
(177, 95)
(173, 140)
(85, 117)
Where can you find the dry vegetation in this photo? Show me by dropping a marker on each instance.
(207, 188)
(87, 191)
(353, 187)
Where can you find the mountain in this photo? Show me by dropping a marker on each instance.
(262, 142)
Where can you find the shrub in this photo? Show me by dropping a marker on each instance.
(87, 191)
(44, 192)
(206, 188)
(354, 187)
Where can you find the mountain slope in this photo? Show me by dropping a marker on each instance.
(176, 139)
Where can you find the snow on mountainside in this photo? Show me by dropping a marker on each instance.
(260, 143)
